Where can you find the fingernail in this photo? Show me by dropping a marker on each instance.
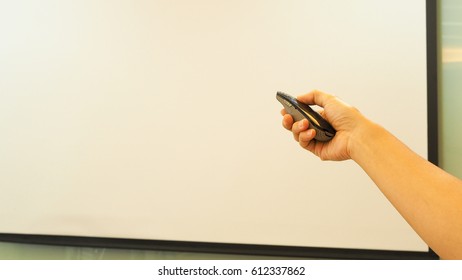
(301, 125)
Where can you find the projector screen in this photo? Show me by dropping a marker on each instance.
(157, 120)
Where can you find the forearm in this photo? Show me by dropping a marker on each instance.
(426, 196)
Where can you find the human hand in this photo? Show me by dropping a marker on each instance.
(347, 121)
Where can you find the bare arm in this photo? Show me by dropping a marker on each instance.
(426, 196)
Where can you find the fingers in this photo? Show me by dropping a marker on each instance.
(287, 121)
(300, 126)
(302, 134)
(306, 137)
(299, 129)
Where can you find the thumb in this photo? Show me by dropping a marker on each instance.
(315, 97)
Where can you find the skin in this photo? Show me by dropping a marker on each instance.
(429, 198)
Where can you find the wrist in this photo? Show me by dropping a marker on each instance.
(365, 140)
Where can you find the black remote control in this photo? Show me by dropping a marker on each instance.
(300, 111)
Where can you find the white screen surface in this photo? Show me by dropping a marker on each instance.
(158, 119)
